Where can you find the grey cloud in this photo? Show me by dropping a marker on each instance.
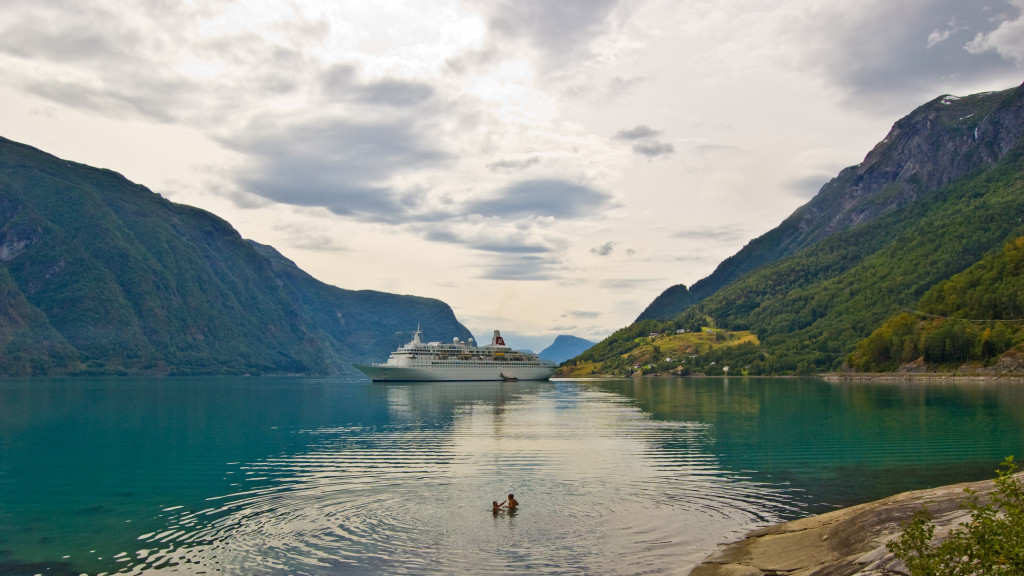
(724, 236)
(513, 165)
(619, 86)
(558, 29)
(45, 31)
(891, 56)
(508, 245)
(588, 314)
(512, 248)
(338, 164)
(114, 73)
(555, 198)
(647, 146)
(654, 149)
(340, 83)
(630, 283)
(639, 132)
(604, 249)
(111, 63)
(525, 267)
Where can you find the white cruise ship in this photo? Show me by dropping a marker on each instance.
(458, 361)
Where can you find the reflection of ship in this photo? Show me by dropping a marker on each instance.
(459, 361)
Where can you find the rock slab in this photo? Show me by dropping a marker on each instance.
(846, 542)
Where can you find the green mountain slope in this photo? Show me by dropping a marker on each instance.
(955, 193)
(941, 142)
(104, 276)
(975, 316)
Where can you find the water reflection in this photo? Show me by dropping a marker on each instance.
(244, 476)
(604, 490)
(843, 444)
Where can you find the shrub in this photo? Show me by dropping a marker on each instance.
(991, 542)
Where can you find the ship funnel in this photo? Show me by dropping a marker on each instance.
(497, 340)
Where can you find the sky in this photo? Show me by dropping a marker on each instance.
(543, 166)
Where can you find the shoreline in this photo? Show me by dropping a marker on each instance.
(846, 542)
(919, 377)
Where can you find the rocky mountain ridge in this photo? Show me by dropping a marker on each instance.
(99, 275)
(938, 143)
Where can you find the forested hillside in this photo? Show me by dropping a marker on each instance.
(101, 276)
(953, 194)
(948, 139)
(975, 316)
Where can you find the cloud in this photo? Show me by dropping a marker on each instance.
(647, 146)
(639, 132)
(558, 30)
(553, 198)
(619, 86)
(604, 249)
(654, 149)
(632, 283)
(890, 56)
(513, 165)
(936, 36)
(339, 82)
(716, 235)
(1006, 40)
(523, 267)
(334, 162)
(487, 241)
(591, 314)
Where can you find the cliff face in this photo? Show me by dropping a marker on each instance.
(100, 275)
(941, 142)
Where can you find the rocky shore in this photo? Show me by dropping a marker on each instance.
(959, 377)
(846, 542)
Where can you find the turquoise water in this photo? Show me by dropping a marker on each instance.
(308, 476)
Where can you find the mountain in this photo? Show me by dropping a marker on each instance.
(940, 143)
(99, 275)
(565, 347)
(941, 192)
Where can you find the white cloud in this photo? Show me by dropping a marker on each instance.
(936, 37)
(1007, 40)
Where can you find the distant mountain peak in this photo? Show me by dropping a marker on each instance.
(565, 347)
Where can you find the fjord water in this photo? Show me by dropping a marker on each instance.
(310, 476)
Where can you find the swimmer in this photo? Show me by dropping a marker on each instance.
(512, 502)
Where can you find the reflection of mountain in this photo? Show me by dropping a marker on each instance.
(100, 275)
(842, 444)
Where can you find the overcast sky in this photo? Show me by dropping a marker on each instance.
(543, 166)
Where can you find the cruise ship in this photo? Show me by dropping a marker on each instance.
(458, 361)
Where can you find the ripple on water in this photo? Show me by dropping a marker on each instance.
(604, 490)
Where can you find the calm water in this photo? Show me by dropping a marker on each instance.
(304, 476)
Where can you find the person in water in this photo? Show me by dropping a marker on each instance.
(495, 507)
(512, 502)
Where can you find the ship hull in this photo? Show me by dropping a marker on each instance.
(465, 373)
